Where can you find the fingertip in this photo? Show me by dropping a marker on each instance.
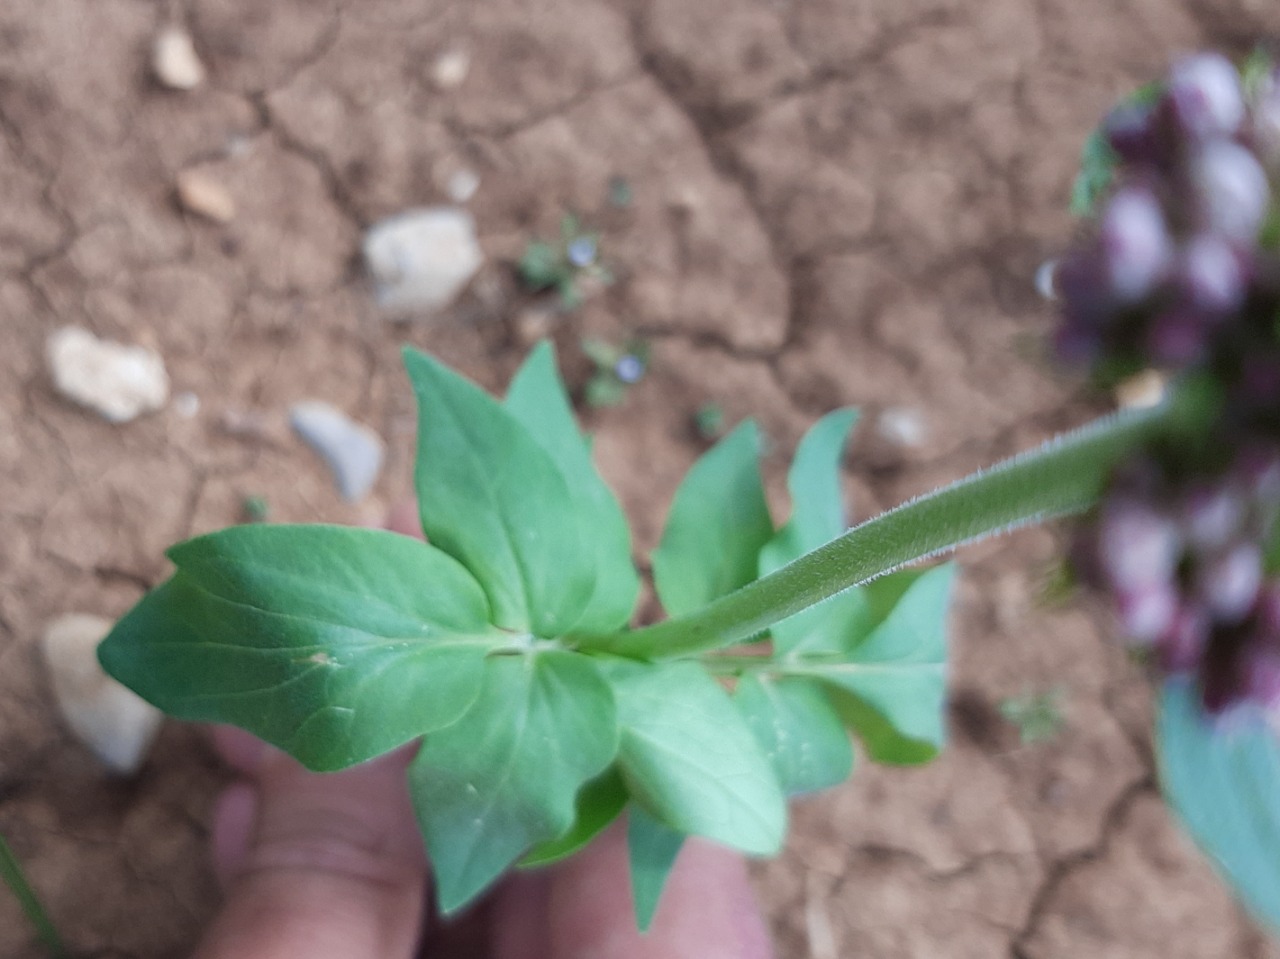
(234, 813)
(240, 750)
(403, 518)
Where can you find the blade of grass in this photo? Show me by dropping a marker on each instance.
(14, 877)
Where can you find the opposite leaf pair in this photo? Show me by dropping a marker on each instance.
(497, 643)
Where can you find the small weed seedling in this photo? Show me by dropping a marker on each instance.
(1037, 716)
(617, 368)
(563, 266)
(505, 642)
(708, 421)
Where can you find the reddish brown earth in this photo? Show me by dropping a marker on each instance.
(835, 201)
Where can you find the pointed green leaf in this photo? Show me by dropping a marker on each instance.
(652, 848)
(817, 517)
(1223, 782)
(891, 686)
(817, 503)
(504, 777)
(798, 730)
(599, 803)
(537, 399)
(334, 644)
(688, 757)
(717, 526)
(492, 497)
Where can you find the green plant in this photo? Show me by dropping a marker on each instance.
(15, 878)
(507, 645)
(617, 368)
(562, 266)
(1037, 715)
(505, 642)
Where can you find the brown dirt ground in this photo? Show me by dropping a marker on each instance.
(836, 201)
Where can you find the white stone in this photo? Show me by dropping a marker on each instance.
(119, 382)
(462, 185)
(902, 427)
(1141, 390)
(450, 69)
(1046, 280)
(174, 60)
(201, 194)
(353, 452)
(420, 260)
(116, 724)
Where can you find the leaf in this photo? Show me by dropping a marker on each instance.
(334, 644)
(493, 498)
(1098, 162)
(688, 757)
(798, 729)
(542, 266)
(717, 526)
(817, 504)
(891, 686)
(652, 848)
(817, 517)
(599, 803)
(504, 777)
(1224, 784)
(537, 399)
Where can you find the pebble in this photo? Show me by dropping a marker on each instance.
(420, 260)
(352, 451)
(119, 382)
(186, 405)
(201, 194)
(1141, 390)
(450, 69)
(533, 324)
(116, 724)
(902, 427)
(1046, 280)
(174, 60)
(462, 185)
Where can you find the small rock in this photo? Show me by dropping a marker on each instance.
(1140, 390)
(201, 194)
(462, 185)
(174, 60)
(116, 724)
(450, 69)
(186, 405)
(353, 451)
(119, 382)
(1046, 280)
(902, 427)
(533, 324)
(421, 260)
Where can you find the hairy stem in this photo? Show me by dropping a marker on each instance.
(1062, 477)
(13, 876)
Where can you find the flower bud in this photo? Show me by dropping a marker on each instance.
(1177, 337)
(1130, 130)
(1137, 546)
(1211, 274)
(1204, 96)
(1181, 647)
(1211, 516)
(1231, 190)
(1147, 612)
(1135, 242)
(1228, 583)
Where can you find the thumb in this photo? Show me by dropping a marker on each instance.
(319, 865)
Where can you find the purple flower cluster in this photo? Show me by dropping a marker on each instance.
(1183, 562)
(1175, 258)
(1179, 273)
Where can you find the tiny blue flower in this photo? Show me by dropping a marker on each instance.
(582, 251)
(629, 369)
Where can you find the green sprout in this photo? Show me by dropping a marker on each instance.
(616, 369)
(563, 266)
(1037, 715)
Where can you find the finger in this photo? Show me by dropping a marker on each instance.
(403, 518)
(333, 867)
(707, 910)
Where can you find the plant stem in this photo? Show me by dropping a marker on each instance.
(13, 876)
(1064, 476)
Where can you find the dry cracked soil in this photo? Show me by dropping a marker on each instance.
(833, 202)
